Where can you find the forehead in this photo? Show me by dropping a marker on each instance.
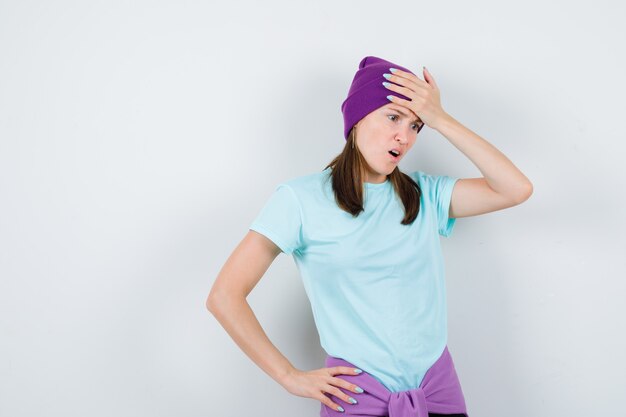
(399, 109)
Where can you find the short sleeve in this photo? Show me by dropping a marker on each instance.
(441, 189)
(280, 219)
(439, 193)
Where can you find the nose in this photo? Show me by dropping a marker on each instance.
(403, 135)
(402, 138)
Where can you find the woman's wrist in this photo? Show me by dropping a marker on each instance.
(285, 376)
(442, 120)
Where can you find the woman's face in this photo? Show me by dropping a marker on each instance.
(389, 127)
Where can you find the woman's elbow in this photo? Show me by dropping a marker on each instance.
(525, 192)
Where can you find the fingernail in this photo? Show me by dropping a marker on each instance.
(340, 408)
(352, 400)
(357, 370)
(389, 98)
(387, 76)
(393, 69)
(386, 84)
(359, 389)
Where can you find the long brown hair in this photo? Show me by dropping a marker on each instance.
(348, 172)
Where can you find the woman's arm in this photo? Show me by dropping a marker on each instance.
(227, 302)
(499, 172)
(502, 184)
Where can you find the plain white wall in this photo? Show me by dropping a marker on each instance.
(138, 140)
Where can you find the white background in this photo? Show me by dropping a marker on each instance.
(138, 140)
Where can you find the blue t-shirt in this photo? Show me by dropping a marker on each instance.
(376, 286)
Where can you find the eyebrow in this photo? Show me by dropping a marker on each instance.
(402, 113)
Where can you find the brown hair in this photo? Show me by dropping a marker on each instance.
(348, 172)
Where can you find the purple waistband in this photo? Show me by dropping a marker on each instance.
(440, 392)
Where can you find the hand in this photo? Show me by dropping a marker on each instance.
(313, 384)
(425, 98)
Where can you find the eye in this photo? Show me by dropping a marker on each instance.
(417, 128)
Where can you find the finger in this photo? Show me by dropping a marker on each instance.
(402, 90)
(400, 82)
(324, 399)
(409, 76)
(400, 101)
(340, 382)
(408, 85)
(336, 370)
(429, 78)
(340, 394)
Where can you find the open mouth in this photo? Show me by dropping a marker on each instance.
(395, 155)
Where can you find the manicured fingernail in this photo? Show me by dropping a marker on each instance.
(386, 84)
(393, 69)
(352, 400)
(340, 408)
(387, 76)
(389, 98)
(359, 389)
(357, 370)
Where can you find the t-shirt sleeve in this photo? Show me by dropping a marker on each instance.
(280, 219)
(439, 192)
(441, 189)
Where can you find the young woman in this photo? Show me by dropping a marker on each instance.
(365, 238)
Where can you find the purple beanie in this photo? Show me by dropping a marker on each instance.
(367, 92)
